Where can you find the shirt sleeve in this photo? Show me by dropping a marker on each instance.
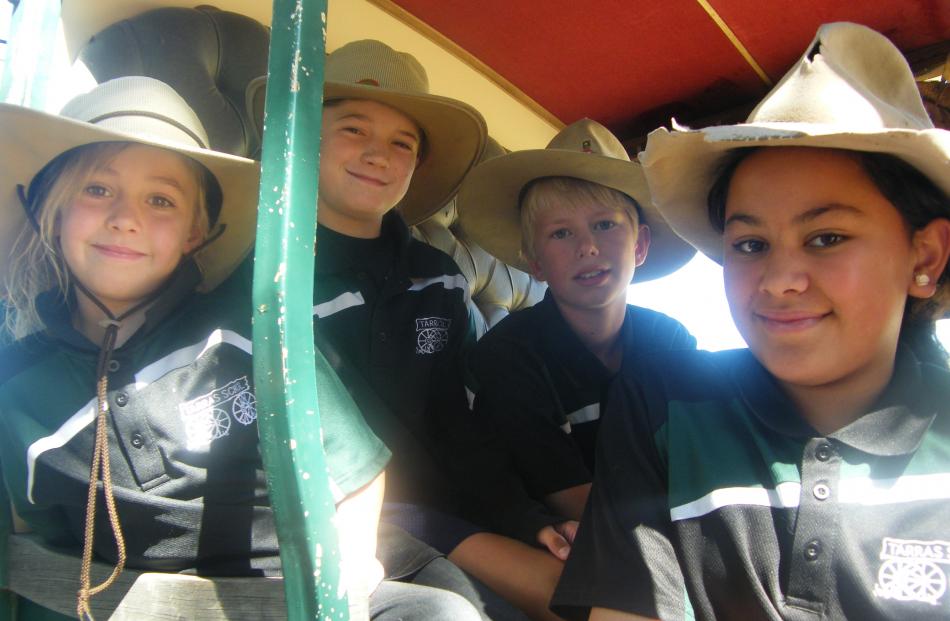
(623, 557)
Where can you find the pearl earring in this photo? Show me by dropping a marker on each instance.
(922, 280)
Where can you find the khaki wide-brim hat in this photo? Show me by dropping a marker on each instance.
(130, 109)
(489, 201)
(852, 89)
(455, 132)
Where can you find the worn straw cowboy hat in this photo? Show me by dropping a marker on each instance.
(454, 132)
(852, 89)
(134, 109)
(489, 201)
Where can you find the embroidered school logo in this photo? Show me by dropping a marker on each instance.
(913, 571)
(209, 416)
(432, 333)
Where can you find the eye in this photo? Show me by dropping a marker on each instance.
(160, 201)
(825, 240)
(94, 189)
(560, 234)
(405, 146)
(604, 225)
(349, 129)
(749, 246)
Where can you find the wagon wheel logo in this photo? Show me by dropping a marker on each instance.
(918, 581)
(217, 423)
(244, 408)
(432, 340)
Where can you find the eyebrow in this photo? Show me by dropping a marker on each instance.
(362, 117)
(170, 181)
(812, 214)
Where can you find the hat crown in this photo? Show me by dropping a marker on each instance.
(142, 107)
(373, 63)
(588, 136)
(851, 77)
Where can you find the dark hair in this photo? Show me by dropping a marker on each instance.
(919, 201)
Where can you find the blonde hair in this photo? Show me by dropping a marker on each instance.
(36, 263)
(547, 192)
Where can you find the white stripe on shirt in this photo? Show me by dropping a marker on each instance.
(339, 303)
(449, 282)
(586, 414)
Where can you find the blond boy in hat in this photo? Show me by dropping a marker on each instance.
(577, 215)
(804, 477)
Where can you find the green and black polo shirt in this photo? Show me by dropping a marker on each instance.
(186, 469)
(707, 477)
(391, 314)
(540, 388)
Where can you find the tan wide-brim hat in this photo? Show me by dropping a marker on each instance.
(130, 109)
(489, 200)
(852, 89)
(454, 131)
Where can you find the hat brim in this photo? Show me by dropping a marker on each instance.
(681, 166)
(490, 213)
(455, 135)
(33, 138)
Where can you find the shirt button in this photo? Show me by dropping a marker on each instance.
(382, 337)
(821, 491)
(824, 452)
(137, 440)
(121, 399)
(114, 366)
(812, 550)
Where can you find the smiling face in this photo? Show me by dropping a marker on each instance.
(368, 153)
(130, 224)
(818, 265)
(587, 251)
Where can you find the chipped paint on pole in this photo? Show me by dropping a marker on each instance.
(288, 422)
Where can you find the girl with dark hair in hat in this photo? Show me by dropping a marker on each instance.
(808, 476)
(123, 357)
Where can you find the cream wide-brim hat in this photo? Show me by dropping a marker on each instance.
(455, 133)
(489, 200)
(852, 89)
(130, 109)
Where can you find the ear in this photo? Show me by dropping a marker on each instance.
(194, 239)
(536, 270)
(932, 249)
(643, 244)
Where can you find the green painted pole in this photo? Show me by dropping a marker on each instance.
(284, 370)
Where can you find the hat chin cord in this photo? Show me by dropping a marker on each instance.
(100, 468)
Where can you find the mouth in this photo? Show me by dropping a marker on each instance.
(593, 277)
(118, 252)
(789, 321)
(368, 179)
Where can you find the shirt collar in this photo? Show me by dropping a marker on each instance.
(894, 425)
(56, 311)
(337, 252)
(565, 346)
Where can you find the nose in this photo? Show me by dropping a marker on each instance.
(783, 273)
(586, 245)
(123, 215)
(376, 152)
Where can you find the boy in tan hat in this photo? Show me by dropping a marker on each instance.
(806, 476)
(577, 215)
(392, 312)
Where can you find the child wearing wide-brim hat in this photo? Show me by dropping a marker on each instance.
(807, 474)
(123, 220)
(578, 215)
(394, 311)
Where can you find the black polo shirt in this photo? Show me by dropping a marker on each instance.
(392, 315)
(187, 474)
(541, 388)
(708, 477)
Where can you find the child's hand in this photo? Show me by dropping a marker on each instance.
(558, 538)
